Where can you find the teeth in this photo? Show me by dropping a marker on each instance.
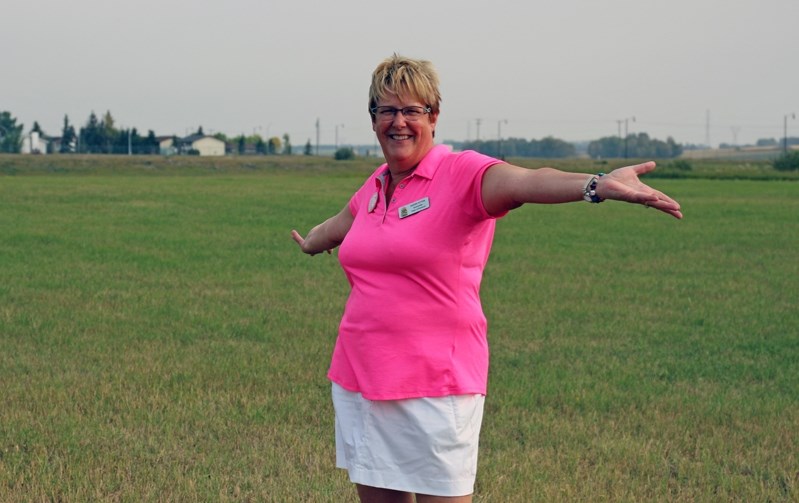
(400, 136)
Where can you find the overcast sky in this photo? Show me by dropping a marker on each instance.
(567, 68)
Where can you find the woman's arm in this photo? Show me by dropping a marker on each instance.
(506, 187)
(327, 235)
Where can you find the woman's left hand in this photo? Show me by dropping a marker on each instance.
(622, 184)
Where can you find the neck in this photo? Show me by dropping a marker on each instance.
(397, 174)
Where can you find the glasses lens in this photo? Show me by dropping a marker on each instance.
(412, 113)
(409, 113)
(385, 113)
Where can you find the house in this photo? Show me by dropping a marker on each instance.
(198, 144)
(33, 143)
(166, 145)
(202, 145)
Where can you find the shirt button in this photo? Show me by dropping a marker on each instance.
(402, 185)
(393, 199)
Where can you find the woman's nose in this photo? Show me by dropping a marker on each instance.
(399, 119)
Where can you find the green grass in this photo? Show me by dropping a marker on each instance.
(164, 340)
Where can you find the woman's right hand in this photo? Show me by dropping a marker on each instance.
(304, 244)
(327, 235)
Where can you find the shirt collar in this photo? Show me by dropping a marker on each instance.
(430, 163)
(427, 166)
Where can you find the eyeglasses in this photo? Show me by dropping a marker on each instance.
(411, 114)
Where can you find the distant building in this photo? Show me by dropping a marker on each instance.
(166, 145)
(202, 144)
(197, 144)
(206, 145)
(33, 143)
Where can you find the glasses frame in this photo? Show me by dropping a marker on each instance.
(425, 110)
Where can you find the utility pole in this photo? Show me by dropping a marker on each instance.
(317, 136)
(477, 122)
(707, 128)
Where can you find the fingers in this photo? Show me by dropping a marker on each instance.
(665, 204)
(644, 167)
(297, 238)
(301, 241)
(641, 193)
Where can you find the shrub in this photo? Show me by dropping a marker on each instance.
(344, 154)
(787, 162)
(681, 165)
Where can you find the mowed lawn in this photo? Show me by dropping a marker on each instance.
(163, 339)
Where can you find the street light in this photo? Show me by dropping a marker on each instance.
(499, 137)
(785, 132)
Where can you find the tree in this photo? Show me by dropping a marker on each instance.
(68, 137)
(606, 147)
(787, 162)
(10, 134)
(150, 144)
(260, 145)
(551, 147)
(344, 154)
(519, 147)
(273, 146)
(91, 137)
(109, 133)
(635, 145)
(308, 148)
(286, 144)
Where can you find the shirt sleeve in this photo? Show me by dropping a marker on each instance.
(366, 191)
(467, 171)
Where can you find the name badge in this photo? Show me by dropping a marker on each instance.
(414, 208)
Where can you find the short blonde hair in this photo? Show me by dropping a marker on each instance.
(403, 76)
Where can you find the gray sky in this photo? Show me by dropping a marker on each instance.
(567, 68)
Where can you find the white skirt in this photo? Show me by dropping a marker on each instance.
(418, 445)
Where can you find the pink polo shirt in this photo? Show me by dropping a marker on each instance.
(413, 325)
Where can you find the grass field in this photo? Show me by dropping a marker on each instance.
(164, 339)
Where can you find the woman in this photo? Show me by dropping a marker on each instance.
(410, 364)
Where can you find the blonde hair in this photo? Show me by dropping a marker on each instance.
(405, 77)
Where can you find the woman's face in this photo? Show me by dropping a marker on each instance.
(404, 142)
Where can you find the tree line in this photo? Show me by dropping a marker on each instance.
(634, 145)
(100, 135)
(520, 147)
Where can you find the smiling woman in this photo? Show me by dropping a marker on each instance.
(410, 364)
